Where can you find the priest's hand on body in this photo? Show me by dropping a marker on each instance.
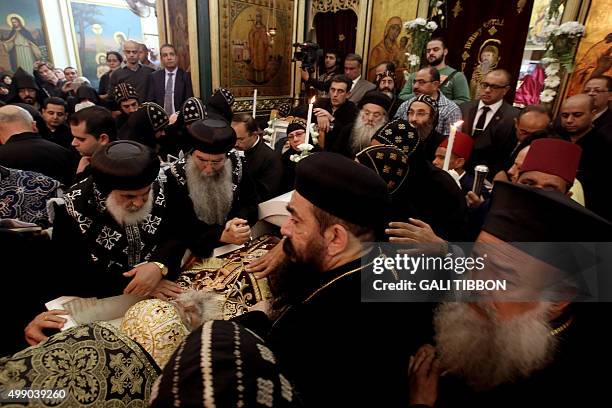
(166, 290)
(237, 231)
(268, 263)
(415, 232)
(46, 320)
(145, 279)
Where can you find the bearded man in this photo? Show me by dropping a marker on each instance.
(372, 115)
(214, 178)
(534, 341)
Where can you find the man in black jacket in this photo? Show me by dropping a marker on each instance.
(263, 163)
(333, 114)
(171, 86)
(490, 122)
(133, 72)
(24, 149)
(54, 115)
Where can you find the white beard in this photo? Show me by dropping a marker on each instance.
(487, 352)
(127, 217)
(212, 196)
(361, 135)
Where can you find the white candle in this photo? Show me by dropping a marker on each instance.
(310, 106)
(449, 147)
(451, 141)
(254, 103)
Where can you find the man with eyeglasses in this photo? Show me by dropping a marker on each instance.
(490, 122)
(599, 89)
(453, 83)
(427, 82)
(373, 109)
(215, 179)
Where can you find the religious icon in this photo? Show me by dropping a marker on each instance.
(102, 68)
(488, 58)
(22, 43)
(388, 48)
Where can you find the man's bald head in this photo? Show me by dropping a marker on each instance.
(14, 120)
(130, 49)
(577, 115)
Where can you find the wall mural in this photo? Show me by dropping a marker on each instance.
(388, 39)
(255, 46)
(99, 29)
(594, 55)
(23, 38)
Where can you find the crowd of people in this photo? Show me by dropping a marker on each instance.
(125, 179)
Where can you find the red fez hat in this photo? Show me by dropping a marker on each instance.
(462, 146)
(553, 156)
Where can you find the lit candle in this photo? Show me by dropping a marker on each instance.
(254, 103)
(310, 106)
(451, 141)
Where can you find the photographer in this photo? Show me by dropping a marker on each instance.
(322, 83)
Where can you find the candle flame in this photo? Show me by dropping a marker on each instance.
(457, 124)
(313, 99)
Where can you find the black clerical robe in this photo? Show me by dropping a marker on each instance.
(265, 169)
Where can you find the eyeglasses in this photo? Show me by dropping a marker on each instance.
(485, 85)
(594, 91)
(418, 114)
(420, 82)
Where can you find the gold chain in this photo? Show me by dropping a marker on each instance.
(334, 280)
(562, 328)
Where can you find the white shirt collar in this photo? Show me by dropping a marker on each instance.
(356, 80)
(171, 72)
(494, 107)
(600, 113)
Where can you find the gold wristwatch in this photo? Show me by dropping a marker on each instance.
(163, 268)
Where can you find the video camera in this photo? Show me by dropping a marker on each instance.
(307, 53)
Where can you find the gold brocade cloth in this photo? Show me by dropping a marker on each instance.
(227, 275)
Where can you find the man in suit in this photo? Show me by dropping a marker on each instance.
(352, 70)
(24, 149)
(490, 122)
(171, 86)
(600, 90)
(263, 164)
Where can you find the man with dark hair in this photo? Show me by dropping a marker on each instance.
(51, 84)
(70, 73)
(600, 89)
(385, 83)
(54, 114)
(27, 90)
(333, 114)
(453, 83)
(133, 72)
(91, 128)
(577, 114)
(128, 100)
(169, 87)
(332, 67)
(337, 208)
(352, 70)
(490, 122)
(21, 148)
(427, 82)
(422, 113)
(143, 56)
(263, 164)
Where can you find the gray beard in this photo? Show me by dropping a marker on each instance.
(125, 217)
(361, 135)
(487, 352)
(212, 196)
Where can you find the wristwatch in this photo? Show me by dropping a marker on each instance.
(163, 268)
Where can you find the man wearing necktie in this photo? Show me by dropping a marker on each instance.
(169, 87)
(490, 122)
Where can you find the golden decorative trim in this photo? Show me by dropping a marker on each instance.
(562, 328)
(324, 6)
(457, 9)
(246, 105)
(334, 280)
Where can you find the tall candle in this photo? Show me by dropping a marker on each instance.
(310, 106)
(254, 103)
(451, 141)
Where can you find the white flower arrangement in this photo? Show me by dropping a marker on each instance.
(548, 95)
(269, 131)
(413, 60)
(305, 148)
(552, 81)
(552, 68)
(431, 26)
(561, 46)
(417, 22)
